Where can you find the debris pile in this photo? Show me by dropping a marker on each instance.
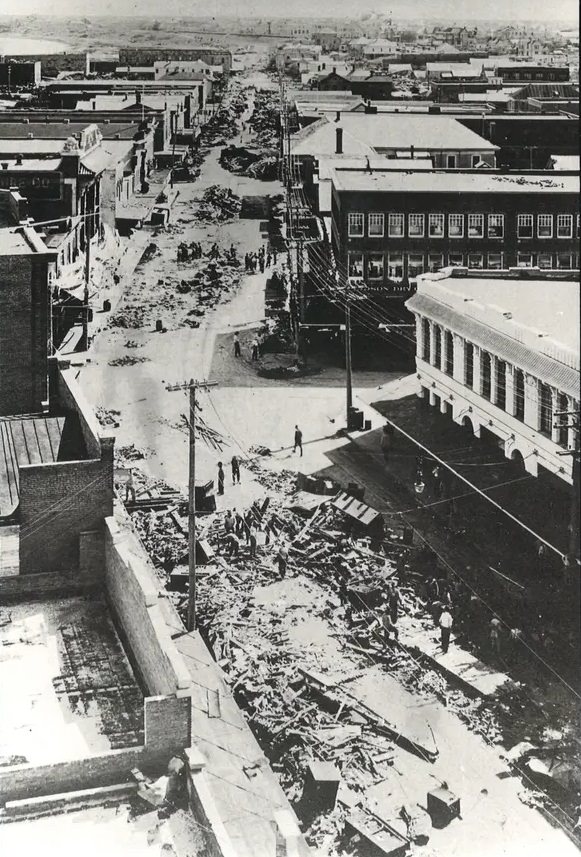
(128, 360)
(265, 119)
(258, 164)
(219, 204)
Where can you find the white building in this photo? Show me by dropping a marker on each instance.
(500, 353)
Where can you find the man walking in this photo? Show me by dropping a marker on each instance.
(237, 351)
(298, 440)
(254, 349)
(130, 488)
(235, 470)
(445, 628)
(220, 478)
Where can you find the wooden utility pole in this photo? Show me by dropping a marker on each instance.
(349, 374)
(192, 386)
(575, 452)
(85, 315)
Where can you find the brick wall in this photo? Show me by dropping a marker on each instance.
(168, 722)
(135, 599)
(25, 587)
(52, 64)
(24, 314)
(57, 502)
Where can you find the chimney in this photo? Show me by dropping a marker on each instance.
(334, 69)
(4, 165)
(18, 160)
(339, 145)
(412, 150)
(338, 116)
(137, 96)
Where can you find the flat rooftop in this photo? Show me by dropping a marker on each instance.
(477, 181)
(387, 131)
(20, 242)
(68, 690)
(35, 131)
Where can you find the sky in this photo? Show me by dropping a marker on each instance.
(509, 10)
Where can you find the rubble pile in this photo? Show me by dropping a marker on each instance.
(222, 124)
(128, 360)
(259, 164)
(265, 119)
(218, 204)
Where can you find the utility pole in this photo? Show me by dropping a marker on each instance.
(348, 371)
(192, 386)
(85, 315)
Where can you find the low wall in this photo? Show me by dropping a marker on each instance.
(135, 598)
(34, 587)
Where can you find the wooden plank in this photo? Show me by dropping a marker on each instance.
(18, 441)
(43, 440)
(33, 449)
(55, 426)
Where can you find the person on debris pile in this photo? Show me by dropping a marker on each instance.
(445, 624)
(274, 255)
(229, 522)
(268, 259)
(235, 470)
(220, 478)
(494, 631)
(261, 264)
(233, 545)
(254, 347)
(238, 524)
(282, 559)
(252, 541)
(388, 626)
(248, 523)
(130, 488)
(298, 440)
(393, 600)
(237, 350)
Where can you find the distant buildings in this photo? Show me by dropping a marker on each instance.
(499, 353)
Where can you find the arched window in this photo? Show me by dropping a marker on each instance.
(449, 367)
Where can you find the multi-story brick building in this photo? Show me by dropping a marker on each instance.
(24, 319)
(389, 226)
(500, 354)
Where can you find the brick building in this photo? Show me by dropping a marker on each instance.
(389, 227)
(500, 354)
(148, 56)
(24, 319)
(16, 75)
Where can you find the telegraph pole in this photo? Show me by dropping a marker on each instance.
(192, 386)
(85, 315)
(349, 375)
(575, 452)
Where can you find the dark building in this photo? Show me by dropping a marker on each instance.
(331, 82)
(24, 320)
(16, 75)
(377, 87)
(147, 56)
(528, 73)
(389, 227)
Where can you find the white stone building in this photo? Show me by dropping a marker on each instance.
(499, 352)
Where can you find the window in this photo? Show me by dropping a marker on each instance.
(427, 340)
(416, 225)
(519, 394)
(449, 367)
(436, 226)
(545, 260)
(496, 225)
(578, 216)
(375, 266)
(356, 225)
(435, 261)
(562, 420)
(495, 261)
(395, 267)
(415, 264)
(545, 225)
(564, 261)
(355, 264)
(524, 227)
(524, 260)
(475, 160)
(437, 346)
(395, 226)
(451, 162)
(564, 226)
(475, 226)
(375, 225)
(500, 384)
(545, 409)
(456, 225)
(475, 260)
(455, 260)
(469, 364)
(485, 373)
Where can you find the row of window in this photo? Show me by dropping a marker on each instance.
(459, 225)
(491, 369)
(373, 266)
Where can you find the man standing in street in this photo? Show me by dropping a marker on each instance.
(254, 348)
(235, 470)
(282, 559)
(252, 541)
(130, 488)
(220, 479)
(445, 628)
(237, 351)
(298, 440)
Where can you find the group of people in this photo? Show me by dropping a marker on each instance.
(254, 347)
(235, 465)
(191, 251)
(261, 259)
(238, 527)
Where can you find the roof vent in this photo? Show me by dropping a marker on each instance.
(4, 165)
(507, 315)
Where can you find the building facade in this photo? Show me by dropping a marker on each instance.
(501, 355)
(389, 227)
